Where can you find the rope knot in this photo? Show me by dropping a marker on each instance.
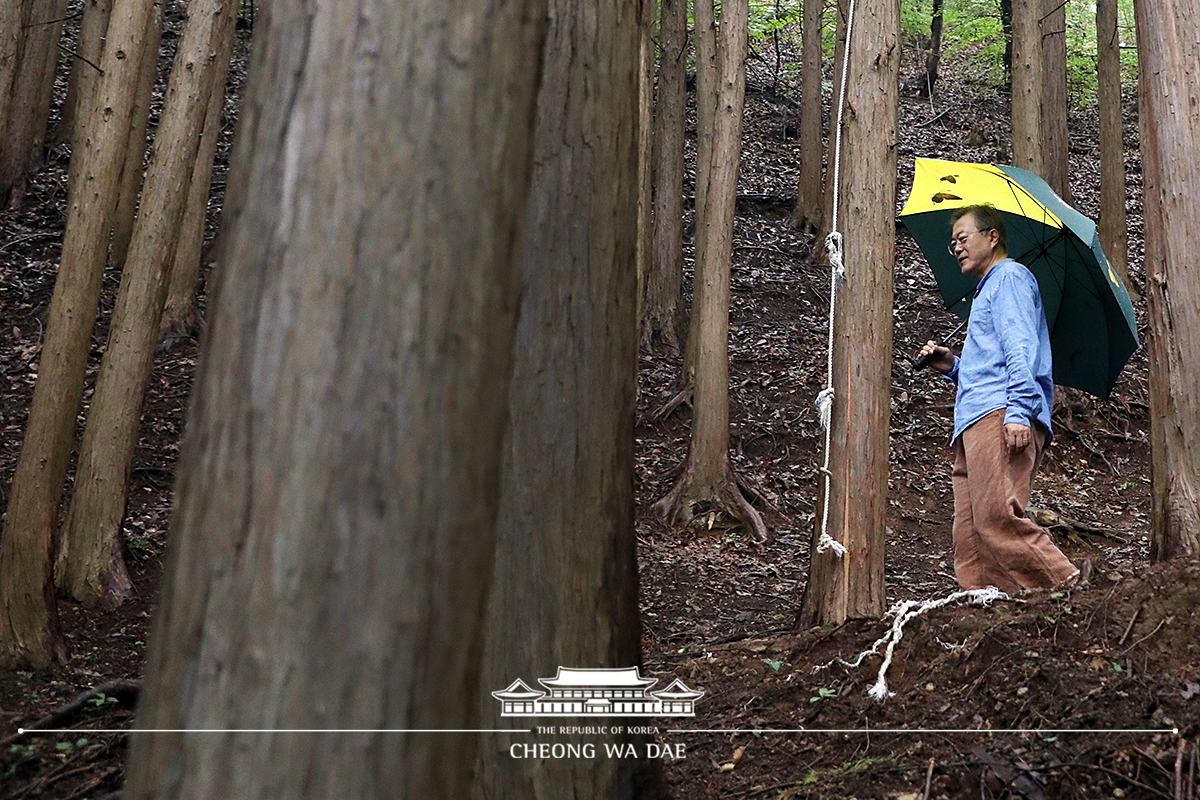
(824, 404)
(827, 543)
(834, 247)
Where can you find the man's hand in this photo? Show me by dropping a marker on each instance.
(943, 359)
(1016, 436)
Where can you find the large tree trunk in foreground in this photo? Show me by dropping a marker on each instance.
(1028, 151)
(334, 531)
(810, 193)
(565, 581)
(90, 567)
(852, 585)
(1114, 235)
(26, 616)
(708, 478)
(1055, 136)
(661, 312)
(1168, 37)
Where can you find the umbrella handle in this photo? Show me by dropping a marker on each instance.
(923, 361)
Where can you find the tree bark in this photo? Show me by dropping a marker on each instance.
(934, 59)
(29, 99)
(565, 578)
(807, 215)
(853, 585)
(661, 312)
(133, 166)
(839, 51)
(27, 612)
(1114, 235)
(645, 149)
(1055, 136)
(12, 26)
(179, 316)
(81, 87)
(334, 532)
(708, 476)
(1027, 137)
(1168, 38)
(90, 567)
(1006, 25)
(706, 109)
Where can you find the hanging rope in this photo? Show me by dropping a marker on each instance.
(837, 273)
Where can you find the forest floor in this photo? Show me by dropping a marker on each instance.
(1023, 697)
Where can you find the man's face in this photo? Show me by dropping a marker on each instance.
(975, 250)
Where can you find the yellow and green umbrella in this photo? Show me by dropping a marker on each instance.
(1092, 327)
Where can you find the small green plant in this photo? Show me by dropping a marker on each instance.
(66, 748)
(102, 699)
(822, 694)
(772, 663)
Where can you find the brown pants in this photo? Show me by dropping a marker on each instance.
(994, 543)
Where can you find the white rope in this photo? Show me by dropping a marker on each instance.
(903, 612)
(837, 272)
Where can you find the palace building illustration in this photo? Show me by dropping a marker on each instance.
(616, 692)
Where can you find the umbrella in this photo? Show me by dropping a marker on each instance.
(1092, 327)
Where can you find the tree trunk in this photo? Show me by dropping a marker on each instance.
(645, 150)
(706, 109)
(27, 623)
(933, 60)
(81, 87)
(1055, 137)
(565, 581)
(29, 100)
(90, 567)
(807, 215)
(1168, 38)
(853, 586)
(1027, 138)
(334, 531)
(133, 165)
(839, 50)
(12, 26)
(1114, 235)
(179, 316)
(708, 477)
(1006, 25)
(661, 312)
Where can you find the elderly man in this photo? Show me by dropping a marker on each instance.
(1001, 415)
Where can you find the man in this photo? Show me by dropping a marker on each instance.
(1001, 415)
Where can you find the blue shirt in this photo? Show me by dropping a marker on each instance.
(1006, 360)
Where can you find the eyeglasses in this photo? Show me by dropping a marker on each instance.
(962, 240)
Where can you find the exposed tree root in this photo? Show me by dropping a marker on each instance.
(116, 688)
(684, 396)
(690, 496)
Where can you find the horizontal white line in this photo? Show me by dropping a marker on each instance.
(273, 730)
(1055, 731)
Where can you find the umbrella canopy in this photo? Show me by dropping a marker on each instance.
(1092, 327)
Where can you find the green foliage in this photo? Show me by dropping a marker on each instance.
(769, 16)
(822, 693)
(972, 30)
